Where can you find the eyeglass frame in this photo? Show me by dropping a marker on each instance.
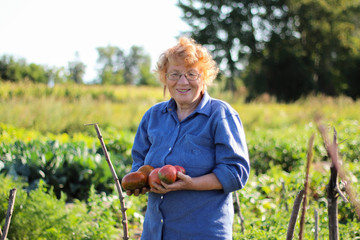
(183, 74)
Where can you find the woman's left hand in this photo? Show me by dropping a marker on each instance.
(183, 182)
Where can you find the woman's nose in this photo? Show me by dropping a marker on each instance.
(183, 79)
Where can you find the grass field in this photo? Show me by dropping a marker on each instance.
(66, 108)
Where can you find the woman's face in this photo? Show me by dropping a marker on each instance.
(185, 92)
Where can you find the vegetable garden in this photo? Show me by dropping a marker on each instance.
(65, 189)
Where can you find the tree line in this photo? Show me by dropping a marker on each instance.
(115, 67)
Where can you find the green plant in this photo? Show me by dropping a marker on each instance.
(40, 215)
(70, 167)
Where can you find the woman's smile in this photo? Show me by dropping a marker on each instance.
(183, 90)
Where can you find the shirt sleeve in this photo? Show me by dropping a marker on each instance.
(141, 144)
(232, 158)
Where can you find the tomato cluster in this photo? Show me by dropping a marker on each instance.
(147, 175)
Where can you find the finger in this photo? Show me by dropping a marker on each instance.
(181, 176)
(164, 185)
(144, 190)
(136, 192)
(159, 191)
(128, 192)
(158, 188)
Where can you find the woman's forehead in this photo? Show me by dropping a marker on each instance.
(182, 67)
(181, 63)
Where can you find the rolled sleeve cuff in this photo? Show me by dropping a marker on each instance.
(229, 179)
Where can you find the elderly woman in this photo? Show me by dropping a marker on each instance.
(202, 134)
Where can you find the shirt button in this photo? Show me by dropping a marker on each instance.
(162, 197)
(169, 149)
(162, 221)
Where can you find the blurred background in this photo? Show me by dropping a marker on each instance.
(282, 49)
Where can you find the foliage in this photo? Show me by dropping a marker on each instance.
(70, 168)
(287, 48)
(115, 68)
(267, 202)
(19, 70)
(288, 148)
(76, 70)
(118, 68)
(40, 215)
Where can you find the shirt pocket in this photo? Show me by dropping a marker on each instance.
(199, 154)
(154, 154)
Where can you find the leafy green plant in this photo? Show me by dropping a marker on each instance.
(71, 167)
(40, 215)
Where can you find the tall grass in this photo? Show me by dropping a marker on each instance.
(66, 108)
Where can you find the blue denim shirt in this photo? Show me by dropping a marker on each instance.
(211, 139)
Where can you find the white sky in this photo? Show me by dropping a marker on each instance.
(50, 32)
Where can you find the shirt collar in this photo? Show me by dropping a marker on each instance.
(204, 106)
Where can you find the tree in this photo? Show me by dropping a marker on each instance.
(111, 60)
(14, 70)
(10, 69)
(269, 39)
(146, 76)
(76, 70)
(35, 73)
(119, 68)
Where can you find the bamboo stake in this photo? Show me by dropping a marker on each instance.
(294, 214)
(117, 182)
(308, 164)
(9, 213)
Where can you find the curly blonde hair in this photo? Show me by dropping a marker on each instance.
(190, 53)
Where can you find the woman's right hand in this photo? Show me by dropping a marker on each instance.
(137, 192)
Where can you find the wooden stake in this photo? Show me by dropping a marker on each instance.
(333, 154)
(308, 164)
(332, 205)
(117, 182)
(9, 213)
(241, 217)
(316, 216)
(294, 214)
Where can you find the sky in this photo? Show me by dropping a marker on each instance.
(51, 32)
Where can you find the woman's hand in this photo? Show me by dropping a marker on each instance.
(137, 192)
(185, 182)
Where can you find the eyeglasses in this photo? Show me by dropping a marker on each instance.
(190, 76)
